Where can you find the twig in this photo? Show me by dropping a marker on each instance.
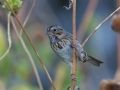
(98, 27)
(32, 46)
(29, 55)
(86, 19)
(74, 43)
(29, 13)
(9, 37)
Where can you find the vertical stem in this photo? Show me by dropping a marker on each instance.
(9, 37)
(31, 45)
(28, 54)
(8, 26)
(74, 43)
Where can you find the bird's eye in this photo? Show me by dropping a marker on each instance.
(54, 29)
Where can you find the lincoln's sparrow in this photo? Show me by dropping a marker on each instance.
(61, 43)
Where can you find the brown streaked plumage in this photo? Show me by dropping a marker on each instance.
(61, 43)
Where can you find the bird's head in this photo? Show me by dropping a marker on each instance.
(55, 31)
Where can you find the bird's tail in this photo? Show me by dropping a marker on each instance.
(94, 61)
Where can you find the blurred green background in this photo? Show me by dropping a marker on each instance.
(16, 72)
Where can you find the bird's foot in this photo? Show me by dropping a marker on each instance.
(85, 56)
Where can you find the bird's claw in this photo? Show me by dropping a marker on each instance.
(85, 58)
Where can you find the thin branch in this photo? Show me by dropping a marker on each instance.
(74, 43)
(99, 27)
(86, 19)
(32, 45)
(29, 13)
(29, 55)
(9, 37)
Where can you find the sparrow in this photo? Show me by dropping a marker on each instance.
(61, 43)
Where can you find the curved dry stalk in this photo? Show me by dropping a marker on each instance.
(32, 46)
(29, 13)
(9, 37)
(98, 27)
(86, 18)
(74, 43)
(29, 55)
